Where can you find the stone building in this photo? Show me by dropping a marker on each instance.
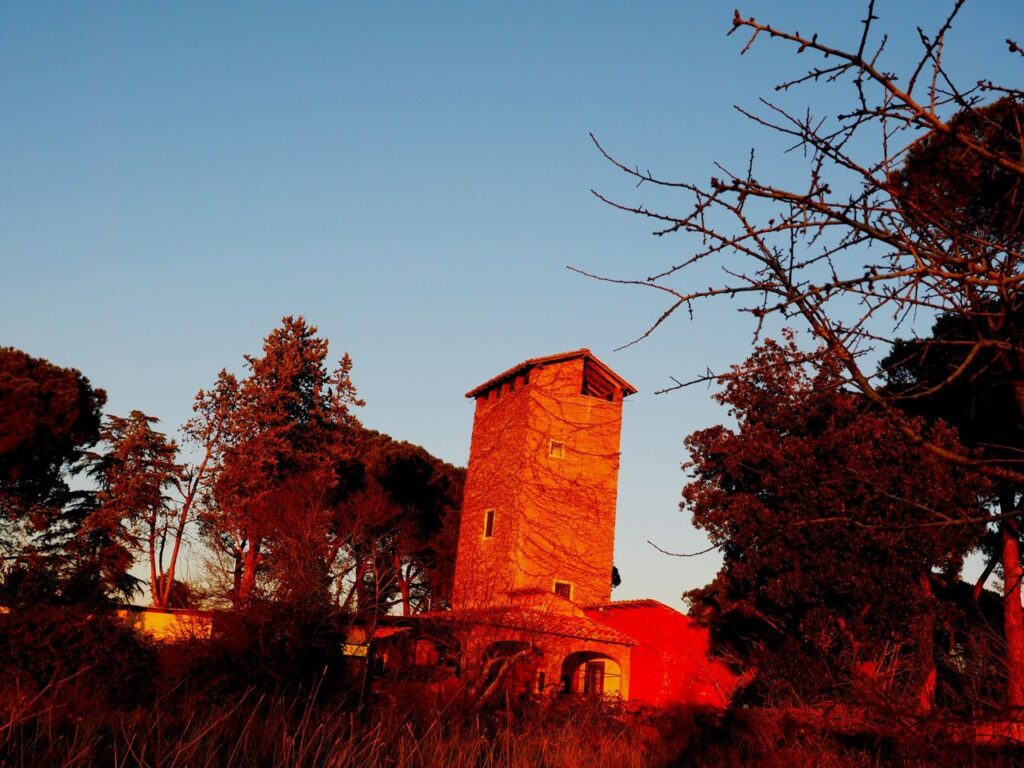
(533, 574)
(532, 613)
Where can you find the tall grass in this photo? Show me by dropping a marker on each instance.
(88, 692)
(65, 728)
(77, 689)
(62, 728)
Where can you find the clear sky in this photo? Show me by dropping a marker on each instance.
(413, 179)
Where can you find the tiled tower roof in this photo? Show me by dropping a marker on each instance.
(599, 369)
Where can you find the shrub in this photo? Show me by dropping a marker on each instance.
(96, 653)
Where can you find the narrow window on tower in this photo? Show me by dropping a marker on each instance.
(563, 589)
(556, 449)
(488, 523)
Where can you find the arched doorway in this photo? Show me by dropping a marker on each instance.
(588, 673)
(511, 666)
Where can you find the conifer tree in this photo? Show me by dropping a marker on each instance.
(276, 438)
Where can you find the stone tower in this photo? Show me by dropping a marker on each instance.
(538, 514)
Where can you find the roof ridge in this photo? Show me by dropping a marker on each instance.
(543, 622)
(535, 361)
(635, 602)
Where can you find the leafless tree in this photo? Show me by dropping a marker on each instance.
(910, 206)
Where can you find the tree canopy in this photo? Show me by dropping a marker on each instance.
(277, 437)
(832, 525)
(133, 511)
(49, 417)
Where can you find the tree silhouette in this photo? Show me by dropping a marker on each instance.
(403, 527)
(276, 438)
(938, 378)
(49, 418)
(910, 205)
(135, 475)
(832, 525)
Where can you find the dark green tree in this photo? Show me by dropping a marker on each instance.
(833, 528)
(411, 522)
(949, 376)
(49, 419)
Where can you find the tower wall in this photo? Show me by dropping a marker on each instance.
(568, 502)
(545, 457)
(485, 566)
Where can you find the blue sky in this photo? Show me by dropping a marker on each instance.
(411, 177)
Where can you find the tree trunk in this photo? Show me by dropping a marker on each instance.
(186, 507)
(154, 581)
(353, 594)
(492, 677)
(1013, 612)
(403, 584)
(926, 647)
(248, 581)
(362, 593)
(236, 576)
(979, 585)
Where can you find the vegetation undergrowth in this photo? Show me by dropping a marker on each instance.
(62, 726)
(82, 690)
(59, 728)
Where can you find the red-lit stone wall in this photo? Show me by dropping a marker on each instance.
(670, 663)
(485, 567)
(568, 501)
(545, 457)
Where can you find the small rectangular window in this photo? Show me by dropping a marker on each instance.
(540, 682)
(593, 679)
(556, 449)
(488, 523)
(563, 589)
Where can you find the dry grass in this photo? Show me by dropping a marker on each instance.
(75, 691)
(67, 728)
(66, 731)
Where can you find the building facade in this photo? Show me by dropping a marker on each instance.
(539, 505)
(533, 574)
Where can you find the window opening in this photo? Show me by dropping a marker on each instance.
(593, 679)
(596, 384)
(488, 523)
(563, 589)
(556, 449)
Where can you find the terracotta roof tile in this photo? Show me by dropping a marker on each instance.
(537, 621)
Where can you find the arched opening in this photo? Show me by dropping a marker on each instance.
(588, 673)
(511, 667)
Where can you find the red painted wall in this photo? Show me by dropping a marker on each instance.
(670, 664)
